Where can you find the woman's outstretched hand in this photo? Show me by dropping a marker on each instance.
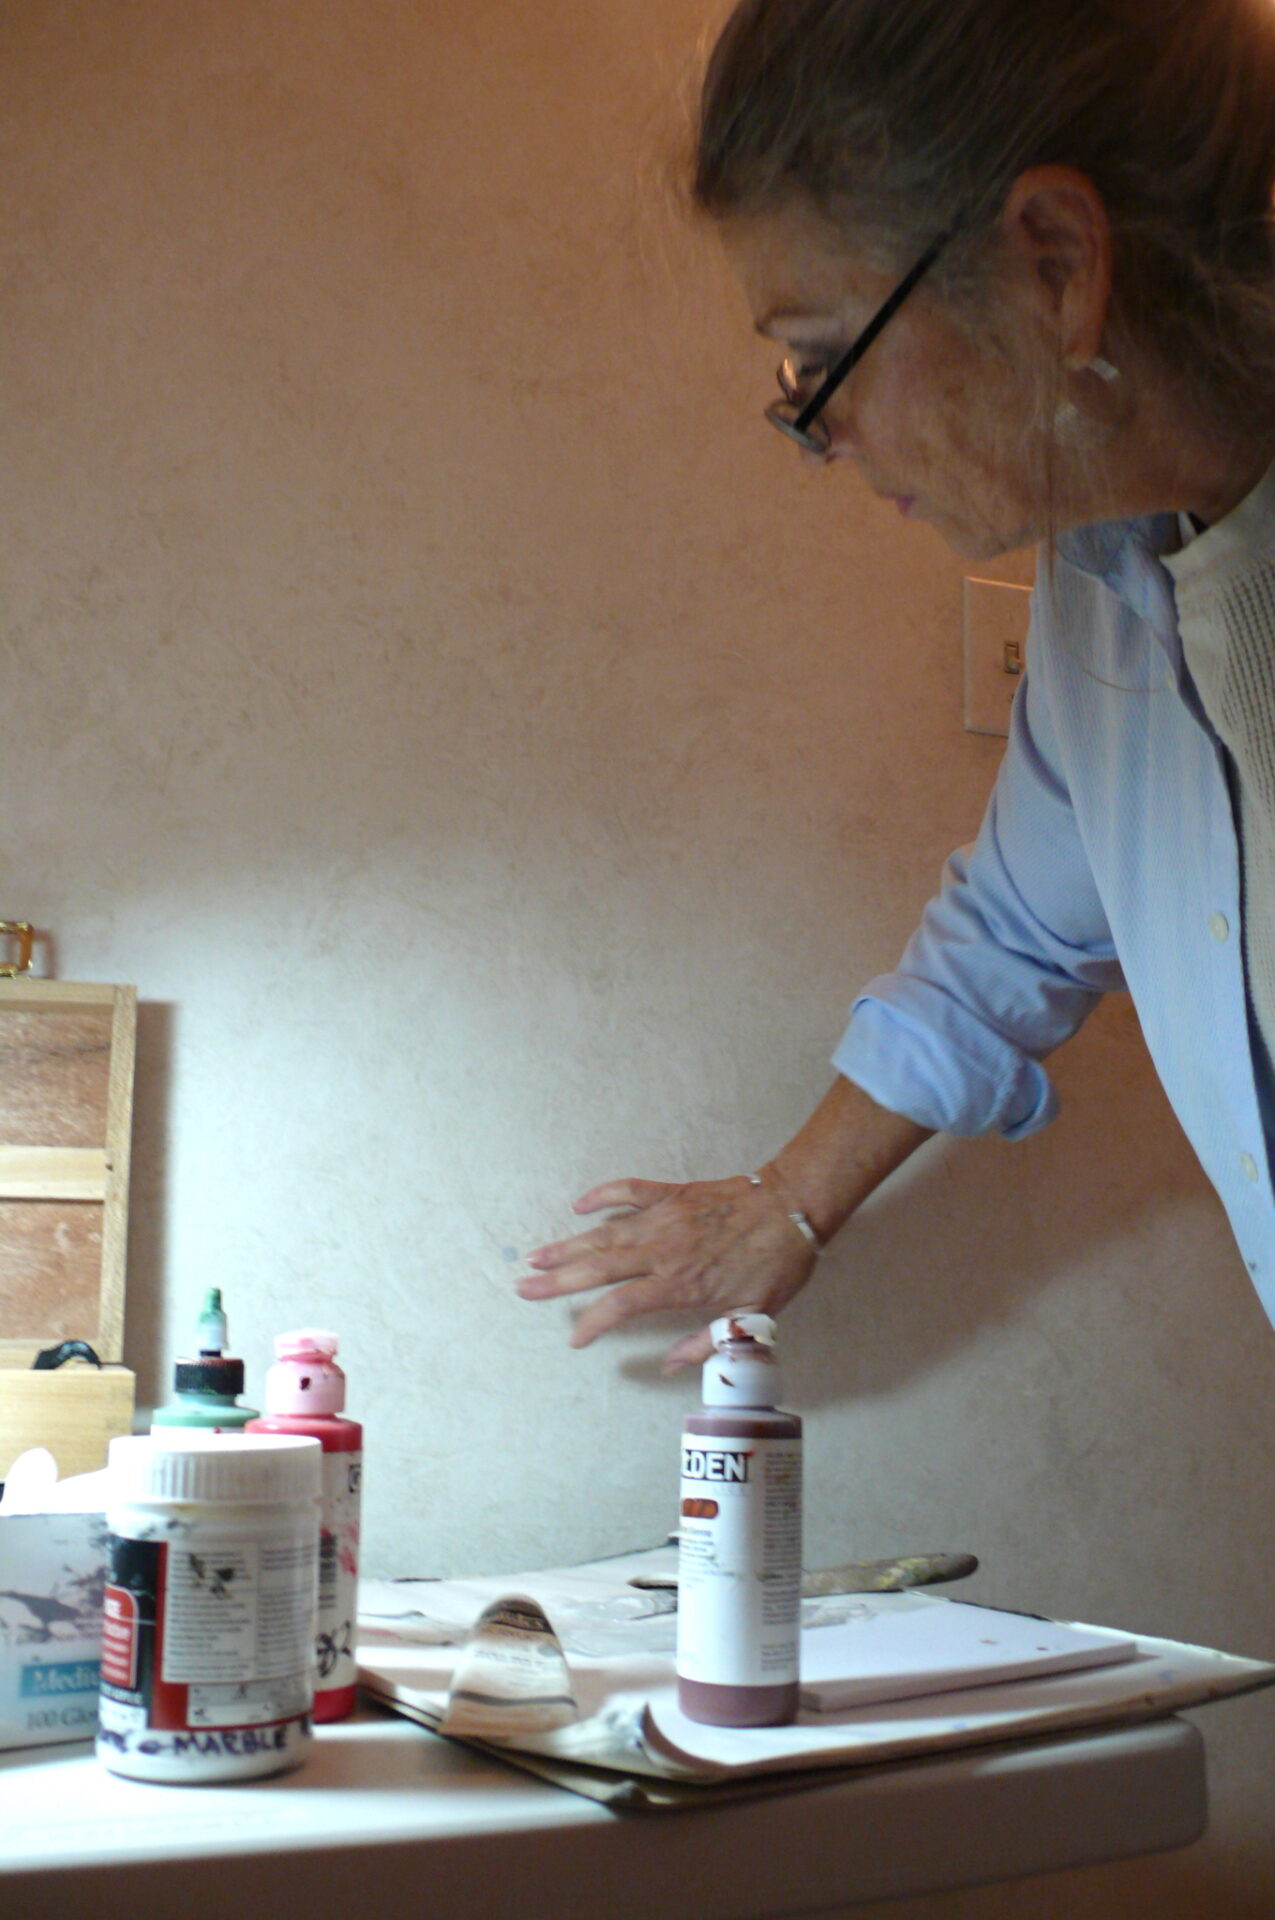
(711, 1247)
(707, 1246)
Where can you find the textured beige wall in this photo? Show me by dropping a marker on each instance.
(498, 764)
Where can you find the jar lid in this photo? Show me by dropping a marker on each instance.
(183, 1463)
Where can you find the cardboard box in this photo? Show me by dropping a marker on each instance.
(52, 1576)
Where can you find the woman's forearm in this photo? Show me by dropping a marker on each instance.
(842, 1154)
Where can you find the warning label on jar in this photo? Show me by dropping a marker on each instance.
(238, 1610)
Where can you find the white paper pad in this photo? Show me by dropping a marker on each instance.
(911, 1644)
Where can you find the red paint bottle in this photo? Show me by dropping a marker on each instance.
(739, 1560)
(305, 1393)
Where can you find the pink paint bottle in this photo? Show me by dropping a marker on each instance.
(739, 1532)
(305, 1392)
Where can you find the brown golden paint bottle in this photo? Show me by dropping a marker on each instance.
(739, 1529)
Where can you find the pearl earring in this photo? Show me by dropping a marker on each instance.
(1092, 418)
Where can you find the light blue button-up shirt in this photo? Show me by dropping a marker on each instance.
(1108, 857)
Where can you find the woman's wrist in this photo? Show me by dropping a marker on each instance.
(796, 1214)
(845, 1150)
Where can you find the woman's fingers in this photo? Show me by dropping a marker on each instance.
(655, 1236)
(600, 1241)
(577, 1272)
(614, 1308)
(624, 1193)
(598, 1258)
(691, 1352)
(706, 1247)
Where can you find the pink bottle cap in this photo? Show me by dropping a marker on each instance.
(305, 1377)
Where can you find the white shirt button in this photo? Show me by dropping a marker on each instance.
(1219, 926)
(1248, 1166)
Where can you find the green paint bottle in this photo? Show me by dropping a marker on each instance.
(207, 1388)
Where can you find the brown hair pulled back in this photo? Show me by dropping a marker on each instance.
(899, 118)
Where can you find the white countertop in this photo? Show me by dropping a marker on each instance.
(386, 1819)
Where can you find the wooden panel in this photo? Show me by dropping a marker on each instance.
(66, 1106)
(50, 1271)
(55, 1067)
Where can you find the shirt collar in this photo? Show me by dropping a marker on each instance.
(1126, 555)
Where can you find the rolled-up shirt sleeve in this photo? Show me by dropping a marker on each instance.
(1010, 956)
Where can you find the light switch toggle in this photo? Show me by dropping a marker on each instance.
(996, 619)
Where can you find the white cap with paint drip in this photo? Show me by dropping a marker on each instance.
(305, 1377)
(742, 1371)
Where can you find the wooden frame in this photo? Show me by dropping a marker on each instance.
(66, 1112)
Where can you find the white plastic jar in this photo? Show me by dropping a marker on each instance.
(209, 1613)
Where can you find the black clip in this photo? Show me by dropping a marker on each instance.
(52, 1357)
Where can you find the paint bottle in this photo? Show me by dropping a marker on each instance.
(739, 1532)
(207, 1387)
(305, 1392)
(208, 1616)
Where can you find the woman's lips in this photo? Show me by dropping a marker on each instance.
(905, 502)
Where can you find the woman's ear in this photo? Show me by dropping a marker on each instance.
(1055, 225)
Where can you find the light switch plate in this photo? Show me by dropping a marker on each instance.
(996, 617)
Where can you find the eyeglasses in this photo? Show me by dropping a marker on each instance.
(800, 420)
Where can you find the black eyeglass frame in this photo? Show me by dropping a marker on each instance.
(796, 422)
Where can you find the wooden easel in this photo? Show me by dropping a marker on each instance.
(66, 1109)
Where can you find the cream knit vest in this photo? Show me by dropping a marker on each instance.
(1225, 587)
